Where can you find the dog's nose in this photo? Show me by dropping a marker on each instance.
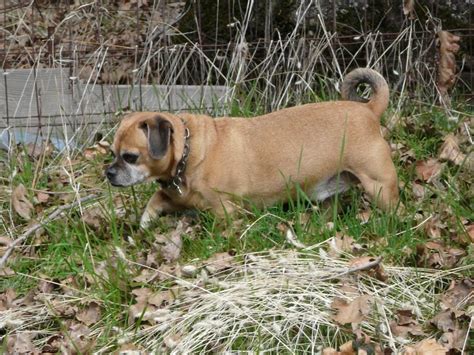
(111, 172)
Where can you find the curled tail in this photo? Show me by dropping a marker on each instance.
(378, 101)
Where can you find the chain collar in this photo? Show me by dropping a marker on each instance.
(177, 180)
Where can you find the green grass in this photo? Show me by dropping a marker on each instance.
(68, 247)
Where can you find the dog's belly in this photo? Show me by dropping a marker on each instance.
(329, 187)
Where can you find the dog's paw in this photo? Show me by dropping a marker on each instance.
(146, 219)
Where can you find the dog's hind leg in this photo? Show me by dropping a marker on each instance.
(378, 176)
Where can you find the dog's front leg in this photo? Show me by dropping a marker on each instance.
(159, 203)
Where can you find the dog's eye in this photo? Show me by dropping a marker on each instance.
(130, 158)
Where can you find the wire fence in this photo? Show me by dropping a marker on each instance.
(73, 79)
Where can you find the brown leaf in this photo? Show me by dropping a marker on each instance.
(21, 343)
(79, 339)
(345, 349)
(36, 150)
(170, 245)
(428, 170)
(342, 243)
(376, 271)
(42, 197)
(418, 190)
(20, 202)
(6, 299)
(4, 243)
(364, 216)
(406, 324)
(460, 293)
(444, 321)
(450, 150)
(93, 217)
(45, 286)
(454, 339)
(353, 311)
(130, 348)
(409, 9)
(470, 232)
(172, 340)
(164, 298)
(89, 315)
(100, 149)
(433, 227)
(63, 309)
(219, 262)
(426, 346)
(437, 255)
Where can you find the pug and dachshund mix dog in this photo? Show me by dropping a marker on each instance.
(217, 163)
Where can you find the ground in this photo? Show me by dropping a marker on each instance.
(91, 279)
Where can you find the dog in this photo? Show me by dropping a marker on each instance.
(216, 164)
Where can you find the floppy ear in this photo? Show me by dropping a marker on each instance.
(158, 131)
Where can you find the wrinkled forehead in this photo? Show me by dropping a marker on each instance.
(129, 137)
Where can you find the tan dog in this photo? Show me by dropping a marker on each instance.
(212, 164)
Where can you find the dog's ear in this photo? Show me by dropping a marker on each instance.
(158, 131)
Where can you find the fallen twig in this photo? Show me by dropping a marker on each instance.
(55, 214)
(363, 267)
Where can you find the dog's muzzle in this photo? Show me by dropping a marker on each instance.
(111, 173)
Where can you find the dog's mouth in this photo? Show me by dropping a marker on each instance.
(116, 184)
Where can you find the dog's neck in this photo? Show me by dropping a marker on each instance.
(178, 179)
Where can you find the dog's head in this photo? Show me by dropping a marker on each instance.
(147, 146)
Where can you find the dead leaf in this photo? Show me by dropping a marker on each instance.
(45, 286)
(292, 239)
(428, 170)
(89, 315)
(450, 150)
(79, 339)
(21, 343)
(364, 216)
(444, 321)
(377, 271)
(433, 227)
(20, 202)
(448, 47)
(170, 245)
(360, 346)
(42, 197)
(418, 190)
(99, 149)
(6, 299)
(93, 217)
(130, 349)
(436, 255)
(36, 150)
(4, 243)
(63, 309)
(353, 311)
(219, 262)
(460, 293)
(164, 298)
(171, 341)
(426, 346)
(345, 349)
(53, 344)
(342, 243)
(406, 324)
(454, 339)
(409, 9)
(470, 232)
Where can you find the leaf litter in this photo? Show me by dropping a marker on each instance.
(296, 300)
(278, 292)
